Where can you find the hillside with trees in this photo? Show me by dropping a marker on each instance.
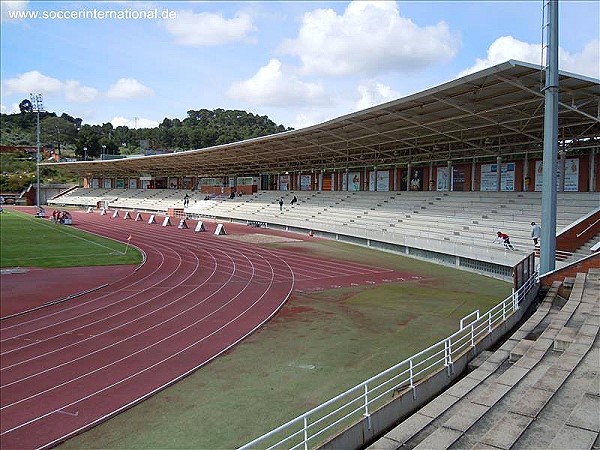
(202, 128)
(68, 137)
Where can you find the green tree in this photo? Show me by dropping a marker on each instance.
(56, 132)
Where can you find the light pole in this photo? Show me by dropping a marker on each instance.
(37, 107)
(85, 153)
(58, 139)
(551, 91)
(103, 152)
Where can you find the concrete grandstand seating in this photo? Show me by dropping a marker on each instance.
(461, 223)
(463, 218)
(539, 390)
(83, 197)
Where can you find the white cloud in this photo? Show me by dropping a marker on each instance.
(76, 93)
(36, 82)
(503, 49)
(128, 88)
(10, 7)
(369, 37)
(368, 93)
(209, 29)
(14, 109)
(32, 82)
(373, 93)
(137, 122)
(314, 116)
(273, 85)
(586, 63)
(507, 47)
(304, 120)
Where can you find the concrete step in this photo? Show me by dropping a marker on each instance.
(496, 404)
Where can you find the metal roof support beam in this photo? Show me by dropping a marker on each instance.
(491, 121)
(564, 105)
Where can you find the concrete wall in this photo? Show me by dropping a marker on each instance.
(583, 265)
(578, 234)
(483, 261)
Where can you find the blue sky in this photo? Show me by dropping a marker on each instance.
(300, 63)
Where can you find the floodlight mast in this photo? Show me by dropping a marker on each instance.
(38, 106)
(548, 238)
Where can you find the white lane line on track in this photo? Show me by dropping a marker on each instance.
(44, 318)
(163, 360)
(126, 289)
(189, 293)
(111, 345)
(185, 374)
(108, 331)
(96, 310)
(231, 321)
(76, 318)
(73, 330)
(309, 261)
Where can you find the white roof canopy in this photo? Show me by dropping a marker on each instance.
(498, 111)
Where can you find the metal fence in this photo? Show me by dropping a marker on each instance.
(324, 421)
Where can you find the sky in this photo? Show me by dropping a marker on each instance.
(298, 62)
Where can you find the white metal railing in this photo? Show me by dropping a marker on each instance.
(323, 421)
(592, 225)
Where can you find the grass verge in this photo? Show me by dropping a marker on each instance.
(319, 345)
(27, 241)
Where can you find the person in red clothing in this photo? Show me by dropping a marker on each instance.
(505, 239)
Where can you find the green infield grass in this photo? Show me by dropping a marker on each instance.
(317, 346)
(27, 241)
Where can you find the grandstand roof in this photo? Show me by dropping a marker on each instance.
(498, 111)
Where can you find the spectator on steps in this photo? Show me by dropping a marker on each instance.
(536, 232)
(505, 239)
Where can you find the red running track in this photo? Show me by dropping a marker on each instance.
(67, 367)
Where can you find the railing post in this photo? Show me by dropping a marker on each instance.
(410, 371)
(473, 334)
(447, 353)
(448, 350)
(366, 414)
(305, 432)
(489, 322)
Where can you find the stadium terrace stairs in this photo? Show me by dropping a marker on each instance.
(540, 389)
